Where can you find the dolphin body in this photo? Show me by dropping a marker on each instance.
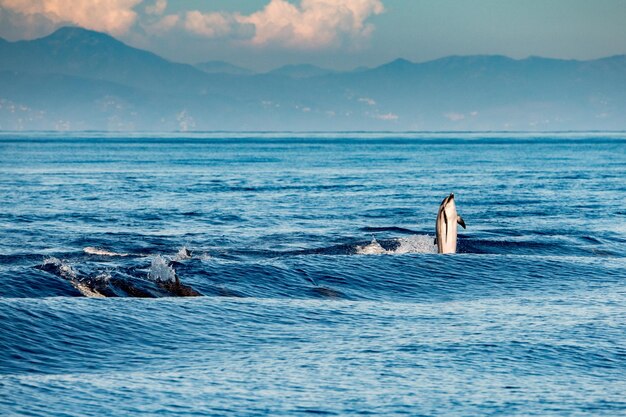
(116, 286)
(446, 226)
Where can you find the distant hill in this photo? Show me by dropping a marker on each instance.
(80, 79)
(85, 53)
(301, 71)
(221, 67)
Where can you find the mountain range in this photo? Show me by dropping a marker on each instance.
(76, 79)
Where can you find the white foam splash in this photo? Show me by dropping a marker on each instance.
(412, 244)
(182, 254)
(373, 248)
(51, 260)
(101, 252)
(416, 244)
(64, 268)
(160, 271)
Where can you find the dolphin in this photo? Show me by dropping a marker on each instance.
(446, 226)
(104, 285)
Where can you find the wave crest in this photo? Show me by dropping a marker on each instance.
(101, 252)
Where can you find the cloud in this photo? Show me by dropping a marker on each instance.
(313, 24)
(157, 8)
(16, 26)
(154, 23)
(161, 25)
(217, 25)
(290, 24)
(112, 16)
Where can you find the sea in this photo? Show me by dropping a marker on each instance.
(289, 274)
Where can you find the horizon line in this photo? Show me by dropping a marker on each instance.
(303, 132)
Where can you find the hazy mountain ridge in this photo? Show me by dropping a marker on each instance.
(301, 71)
(84, 53)
(80, 79)
(222, 67)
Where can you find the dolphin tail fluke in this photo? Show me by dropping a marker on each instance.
(460, 221)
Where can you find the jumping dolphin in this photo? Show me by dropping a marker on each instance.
(446, 226)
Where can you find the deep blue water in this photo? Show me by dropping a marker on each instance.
(529, 318)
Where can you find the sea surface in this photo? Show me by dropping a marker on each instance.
(320, 291)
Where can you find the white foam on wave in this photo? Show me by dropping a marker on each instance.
(411, 244)
(101, 252)
(416, 244)
(51, 260)
(182, 254)
(161, 271)
(65, 269)
(373, 248)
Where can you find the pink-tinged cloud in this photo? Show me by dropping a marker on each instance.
(210, 25)
(312, 24)
(112, 16)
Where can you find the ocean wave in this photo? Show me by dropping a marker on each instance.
(159, 280)
(102, 252)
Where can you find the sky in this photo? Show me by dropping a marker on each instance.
(337, 34)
